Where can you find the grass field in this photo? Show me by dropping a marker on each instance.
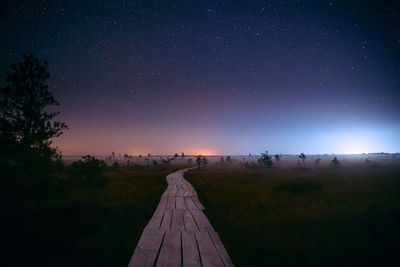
(53, 224)
(304, 217)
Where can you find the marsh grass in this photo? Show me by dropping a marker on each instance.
(295, 217)
(58, 226)
(299, 186)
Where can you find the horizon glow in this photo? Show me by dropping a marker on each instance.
(215, 77)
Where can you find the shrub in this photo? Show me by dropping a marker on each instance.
(265, 160)
(303, 158)
(87, 173)
(335, 162)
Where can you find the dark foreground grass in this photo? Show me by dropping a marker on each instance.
(53, 224)
(315, 217)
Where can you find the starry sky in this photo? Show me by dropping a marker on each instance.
(215, 77)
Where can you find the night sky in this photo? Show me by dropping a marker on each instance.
(215, 77)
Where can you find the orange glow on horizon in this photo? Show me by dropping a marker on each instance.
(201, 151)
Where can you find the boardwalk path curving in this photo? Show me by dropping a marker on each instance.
(179, 234)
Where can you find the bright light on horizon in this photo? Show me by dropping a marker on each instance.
(358, 141)
(355, 145)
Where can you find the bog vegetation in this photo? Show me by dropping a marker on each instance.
(322, 216)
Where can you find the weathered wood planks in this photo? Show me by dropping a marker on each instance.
(190, 223)
(166, 221)
(191, 257)
(147, 249)
(179, 233)
(180, 203)
(177, 221)
(170, 253)
(155, 221)
(208, 253)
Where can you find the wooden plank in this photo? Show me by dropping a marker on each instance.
(208, 253)
(190, 252)
(167, 219)
(190, 204)
(155, 221)
(197, 202)
(181, 192)
(177, 221)
(172, 193)
(190, 193)
(190, 223)
(163, 202)
(221, 249)
(147, 249)
(170, 253)
(172, 190)
(179, 184)
(170, 203)
(201, 220)
(180, 203)
(189, 185)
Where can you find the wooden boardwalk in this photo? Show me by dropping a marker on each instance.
(179, 234)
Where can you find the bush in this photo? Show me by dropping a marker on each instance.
(87, 174)
(335, 162)
(265, 160)
(115, 166)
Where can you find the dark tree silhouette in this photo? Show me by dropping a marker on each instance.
(198, 160)
(335, 162)
(228, 160)
(115, 166)
(277, 157)
(165, 163)
(303, 158)
(265, 160)
(26, 126)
